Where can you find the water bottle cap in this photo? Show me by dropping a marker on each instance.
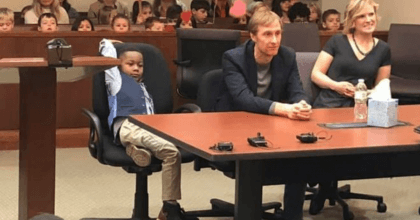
(361, 80)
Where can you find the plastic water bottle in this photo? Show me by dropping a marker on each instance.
(360, 100)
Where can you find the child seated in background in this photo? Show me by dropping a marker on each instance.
(299, 13)
(47, 23)
(199, 9)
(186, 21)
(154, 24)
(7, 20)
(173, 13)
(120, 24)
(82, 24)
(141, 12)
(331, 20)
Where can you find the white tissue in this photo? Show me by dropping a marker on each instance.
(382, 91)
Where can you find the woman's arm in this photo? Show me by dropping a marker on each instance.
(384, 72)
(320, 78)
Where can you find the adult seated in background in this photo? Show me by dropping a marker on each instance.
(219, 9)
(261, 76)
(299, 13)
(173, 13)
(315, 16)
(70, 10)
(281, 8)
(199, 10)
(46, 6)
(331, 20)
(82, 24)
(141, 12)
(23, 12)
(94, 8)
(109, 9)
(7, 20)
(160, 7)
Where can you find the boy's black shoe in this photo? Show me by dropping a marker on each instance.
(171, 212)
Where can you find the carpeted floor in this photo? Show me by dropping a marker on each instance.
(85, 188)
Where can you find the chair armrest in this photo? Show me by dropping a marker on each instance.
(189, 107)
(95, 131)
(184, 63)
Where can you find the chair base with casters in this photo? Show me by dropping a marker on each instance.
(221, 208)
(335, 194)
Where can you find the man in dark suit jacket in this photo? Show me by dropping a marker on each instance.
(262, 77)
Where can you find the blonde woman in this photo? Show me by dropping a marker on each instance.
(46, 6)
(315, 16)
(354, 54)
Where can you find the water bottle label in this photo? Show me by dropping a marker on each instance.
(360, 95)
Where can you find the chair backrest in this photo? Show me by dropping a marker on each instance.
(209, 90)
(202, 49)
(301, 37)
(305, 62)
(404, 41)
(156, 78)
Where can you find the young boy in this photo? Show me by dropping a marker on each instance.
(47, 23)
(7, 20)
(153, 24)
(127, 95)
(199, 9)
(331, 20)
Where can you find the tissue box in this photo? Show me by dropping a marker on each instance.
(382, 113)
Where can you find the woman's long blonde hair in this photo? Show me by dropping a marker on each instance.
(54, 7)
(352, 11)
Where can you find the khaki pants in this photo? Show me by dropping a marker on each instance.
(161, 149)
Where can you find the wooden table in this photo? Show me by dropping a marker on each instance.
(356, 153)
(37, 130)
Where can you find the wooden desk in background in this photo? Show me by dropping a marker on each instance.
(356, 153)
(32, 44)
(37, 129)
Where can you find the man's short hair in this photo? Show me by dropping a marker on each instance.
(150, 21)
(46, 15)
(262, 18)
(299, 9)
(7, 15)
(200, 4)
(328, 13)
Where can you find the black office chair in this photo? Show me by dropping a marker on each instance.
(206, 99)
(405, 62)
(301, 37)
(305, 62)
(101, 145)
(199, 51)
